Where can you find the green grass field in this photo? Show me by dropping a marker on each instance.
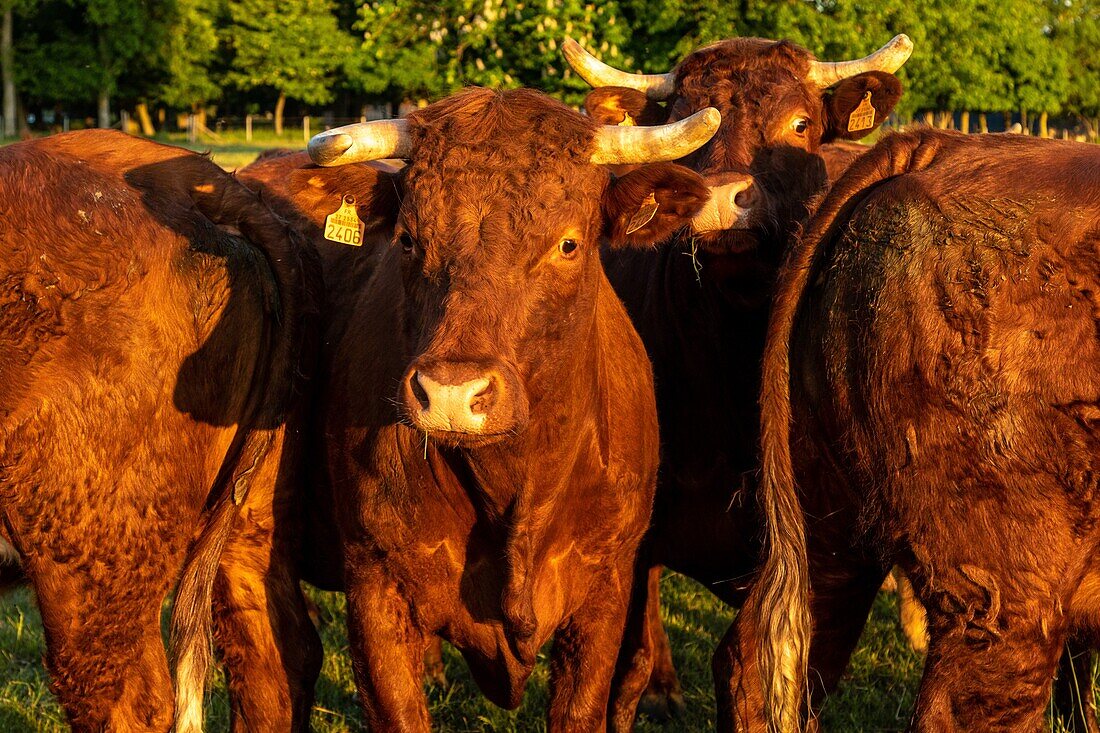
(876, 695)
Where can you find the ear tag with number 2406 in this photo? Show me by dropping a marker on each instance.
(343, 225)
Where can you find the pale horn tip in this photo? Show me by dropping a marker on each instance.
(326, 149)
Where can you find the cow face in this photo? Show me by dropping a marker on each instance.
(778, 106)
(502, 210)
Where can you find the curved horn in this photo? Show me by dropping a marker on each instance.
(361, 142)
(889, 59)
(622, 145)
(599, 74)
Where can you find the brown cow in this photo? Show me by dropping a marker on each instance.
(701, 301)
(150, 325)
(487, 410)
(934, 354)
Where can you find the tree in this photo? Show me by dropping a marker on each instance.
(292, 48)
(190, 55)
(427, 49)
(7, 70)
(77, 50)
(1076, 32)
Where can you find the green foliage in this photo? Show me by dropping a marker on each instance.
(1033, 55)
(291, 47)
(427, 49)
(71, 50)
(191, 54)
(1076, 32)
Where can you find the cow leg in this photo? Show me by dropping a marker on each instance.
(268, 642)
(583, 660)
(1074, 701)
(840, 600)
(105, 654)
(663, 697)
(387, 653)
(913, 622)
(635, 662)
(434, 670)
(992, 653)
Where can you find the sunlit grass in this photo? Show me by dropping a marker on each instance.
(876, 696)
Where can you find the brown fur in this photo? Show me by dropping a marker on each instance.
(151, 316)
(701, 304)
(498, 542)
(938, 330)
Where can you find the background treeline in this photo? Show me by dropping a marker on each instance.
(89, 60)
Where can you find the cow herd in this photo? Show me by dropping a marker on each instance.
(489, 368)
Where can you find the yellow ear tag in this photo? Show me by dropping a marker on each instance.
(643, 215)
(343, 225)
(628, 121)
(863, 117)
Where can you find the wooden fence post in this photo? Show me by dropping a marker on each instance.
(248, 128)
(305, 128)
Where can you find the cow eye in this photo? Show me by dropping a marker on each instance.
(568, 247)
(407, 243)
(800, 125)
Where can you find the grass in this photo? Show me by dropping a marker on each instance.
(876, 696)
(231, 150)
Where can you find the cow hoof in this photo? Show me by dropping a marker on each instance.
(661, 706)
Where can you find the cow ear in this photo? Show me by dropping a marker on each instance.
(375, 188)
(649, 203)
(857, 105)
(622, 106)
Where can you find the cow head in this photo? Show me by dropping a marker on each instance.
(503, 204)
(778, 105)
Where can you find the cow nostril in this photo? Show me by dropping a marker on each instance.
(483, 400)
(418, 391)
(744, 199)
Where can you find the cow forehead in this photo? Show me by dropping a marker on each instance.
(751, 81)
(747, 54)
(463, 189)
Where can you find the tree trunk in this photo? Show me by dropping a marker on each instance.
(1024, 123)
(104, 109)
(21, 118)
(983, 123)
(964, 122)
(147, 128)
(928, 118)
(944, 121)
(1043, 129)
(280, 105)
(7, 69)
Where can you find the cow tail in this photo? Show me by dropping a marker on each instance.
(192, 637)
(290, 278)
(779, 604)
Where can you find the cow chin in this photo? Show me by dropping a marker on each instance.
(727, 241)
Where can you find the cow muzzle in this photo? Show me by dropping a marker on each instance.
(730, 206)
(459, 400)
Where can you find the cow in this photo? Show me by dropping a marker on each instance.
(931, 386)
(486, 420)
(701, 301)
(154, 321)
